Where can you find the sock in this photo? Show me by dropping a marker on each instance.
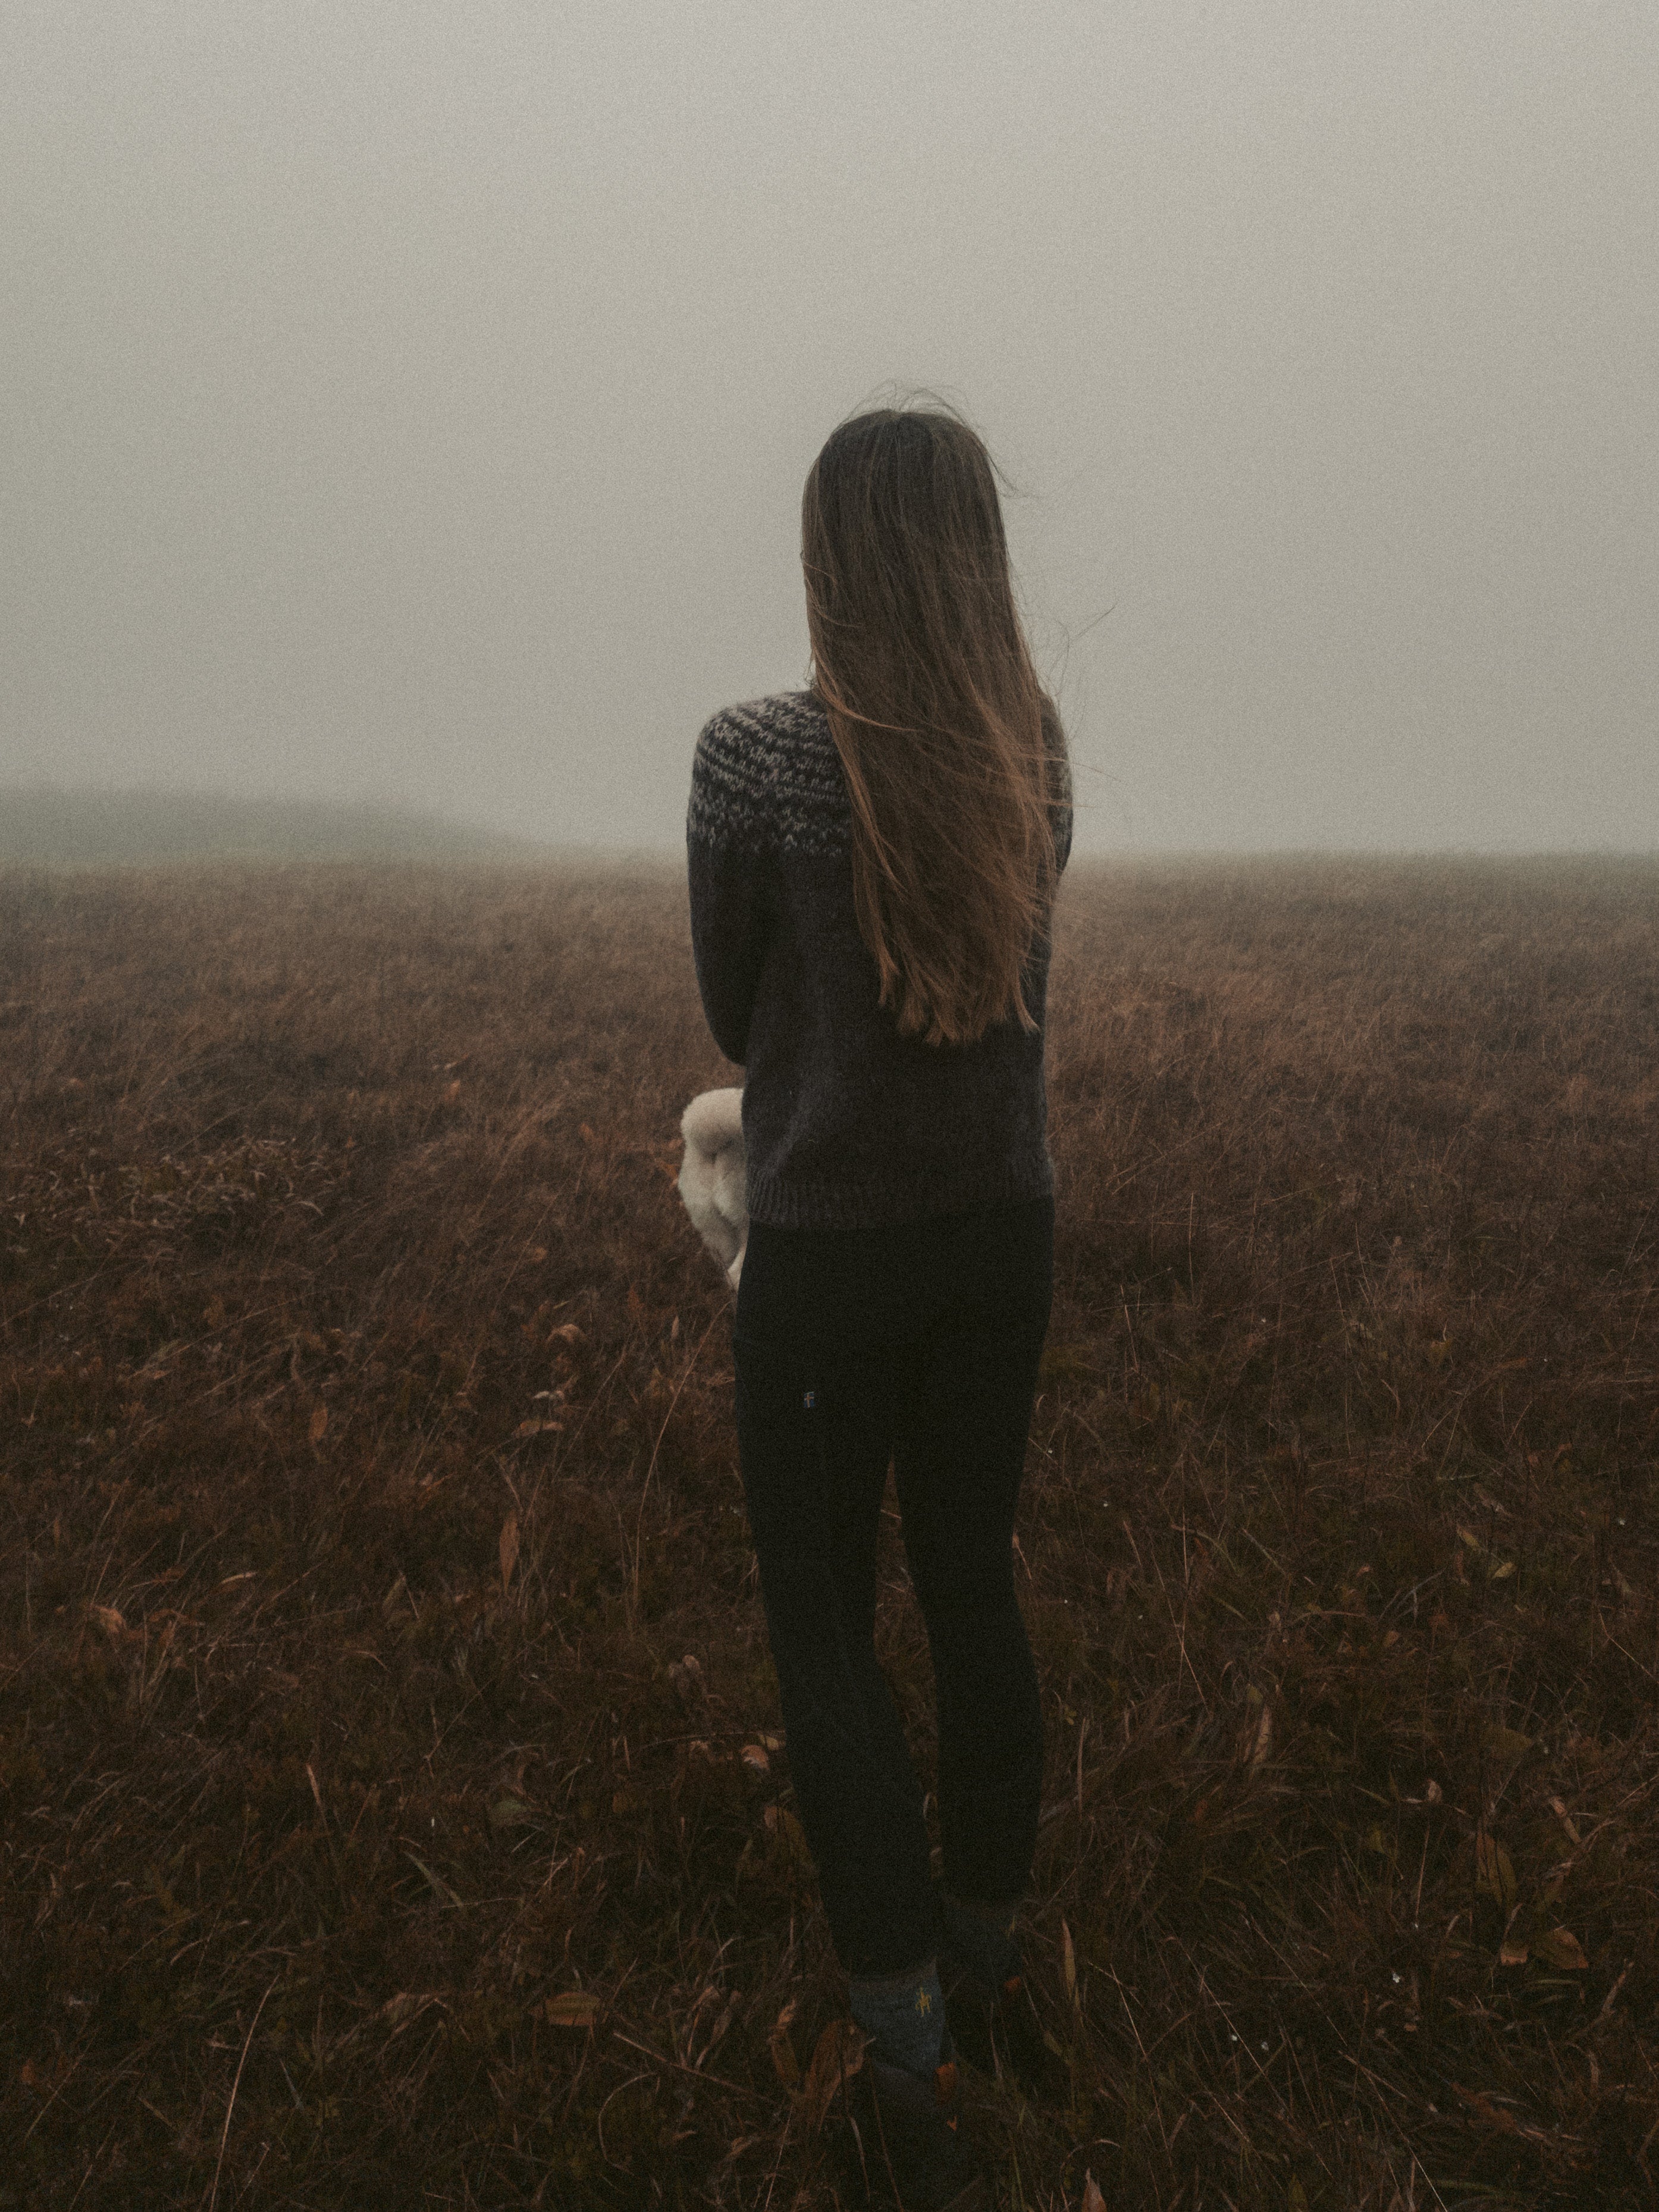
(905, 2013)
(983, 1936)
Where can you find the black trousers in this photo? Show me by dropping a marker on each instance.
(916, 1343)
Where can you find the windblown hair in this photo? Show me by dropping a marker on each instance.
(952, 751)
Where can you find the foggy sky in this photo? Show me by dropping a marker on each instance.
(412, 401)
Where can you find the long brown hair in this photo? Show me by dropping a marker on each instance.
(951, 749)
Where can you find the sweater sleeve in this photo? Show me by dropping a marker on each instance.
(728, 877)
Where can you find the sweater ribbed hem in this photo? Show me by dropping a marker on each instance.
(782, 1201)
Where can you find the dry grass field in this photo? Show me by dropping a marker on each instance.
(392, 1801)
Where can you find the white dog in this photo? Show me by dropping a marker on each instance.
(711, 1176)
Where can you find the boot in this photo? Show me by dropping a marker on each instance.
(908, 2149)
(997, 2029)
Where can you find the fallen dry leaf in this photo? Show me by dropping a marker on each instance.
(1493, 2115)
(509, 1548)
(785, 2063)
(1508, 1743)
(789, 1832)
(1561, 1948)
(838, 2056)
(1495, 1870)
(1264, 1736)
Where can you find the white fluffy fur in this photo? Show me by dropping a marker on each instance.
(711, 1176)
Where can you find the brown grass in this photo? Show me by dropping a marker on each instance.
(370, 1475)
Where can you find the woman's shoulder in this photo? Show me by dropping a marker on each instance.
(778, 716)
(769, 765)
(761, 741)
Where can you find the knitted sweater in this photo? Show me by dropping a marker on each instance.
(845, 1121)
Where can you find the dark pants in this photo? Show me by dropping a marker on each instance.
(916, 1342)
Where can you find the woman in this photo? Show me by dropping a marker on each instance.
(873, 864)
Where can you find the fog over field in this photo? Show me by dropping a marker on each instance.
(408, 405)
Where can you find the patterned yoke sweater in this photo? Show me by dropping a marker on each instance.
(845, 1122)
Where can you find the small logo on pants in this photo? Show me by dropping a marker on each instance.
(810, 1400)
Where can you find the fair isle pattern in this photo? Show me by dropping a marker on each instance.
(766, 776)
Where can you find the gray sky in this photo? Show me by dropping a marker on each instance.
(412, 401)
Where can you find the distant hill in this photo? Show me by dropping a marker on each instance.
(75, 828)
